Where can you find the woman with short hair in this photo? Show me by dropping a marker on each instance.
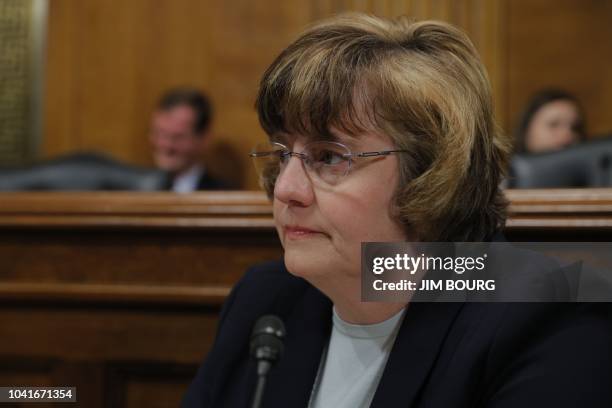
(383, 131)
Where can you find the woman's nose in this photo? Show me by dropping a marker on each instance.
(293, 184)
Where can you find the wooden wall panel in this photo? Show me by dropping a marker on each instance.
(138, 385)
(108, 62)
(561, 43)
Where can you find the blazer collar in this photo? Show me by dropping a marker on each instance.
(419, 340)
(414, 352)
(290, 383)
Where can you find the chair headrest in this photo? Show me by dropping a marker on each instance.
(584, 165)
(82, 172)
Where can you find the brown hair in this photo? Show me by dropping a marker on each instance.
(421, 84)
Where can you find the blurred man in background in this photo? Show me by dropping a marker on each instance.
(179, 134)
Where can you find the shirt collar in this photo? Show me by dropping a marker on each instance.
(187, 181)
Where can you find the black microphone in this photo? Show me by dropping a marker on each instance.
(266, 348)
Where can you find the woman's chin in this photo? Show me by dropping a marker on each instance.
(306, 264)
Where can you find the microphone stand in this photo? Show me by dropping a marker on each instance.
(262, 371)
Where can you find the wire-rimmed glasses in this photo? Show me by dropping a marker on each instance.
(324, 160)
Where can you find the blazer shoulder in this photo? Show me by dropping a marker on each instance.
(533, 321)
(552, 354)
(266, 288)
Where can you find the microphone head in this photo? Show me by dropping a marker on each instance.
(267, 338)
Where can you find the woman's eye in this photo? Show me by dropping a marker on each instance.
(283, 155)
(328, 157)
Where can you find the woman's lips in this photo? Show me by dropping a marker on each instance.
(297, 232)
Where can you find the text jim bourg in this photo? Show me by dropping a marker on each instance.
(434, 285)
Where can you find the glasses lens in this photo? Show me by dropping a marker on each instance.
(266, 158)
(328, 160)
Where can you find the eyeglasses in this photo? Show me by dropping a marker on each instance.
(324, 160)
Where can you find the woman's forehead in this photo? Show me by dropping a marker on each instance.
(353, 141)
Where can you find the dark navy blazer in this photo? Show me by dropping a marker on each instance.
(446, 355)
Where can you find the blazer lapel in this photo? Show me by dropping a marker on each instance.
(309, 326)
(414, 352)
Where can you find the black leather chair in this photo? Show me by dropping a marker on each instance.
(82, 172)
(585, 165)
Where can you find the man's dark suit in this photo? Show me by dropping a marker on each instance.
(207, 182)
(446, 355)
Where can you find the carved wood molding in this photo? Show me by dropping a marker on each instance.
(230, 209)
(560, 208)
(554, 208)
(114, 293)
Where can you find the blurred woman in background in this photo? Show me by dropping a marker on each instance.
(552, 120)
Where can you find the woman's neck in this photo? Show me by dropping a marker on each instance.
(367, 312)
(346, 297)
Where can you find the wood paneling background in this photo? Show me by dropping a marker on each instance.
(119, 294)
(561, 43)
(107, 62)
